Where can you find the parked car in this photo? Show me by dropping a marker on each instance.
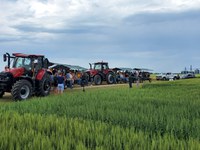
(188, 75)
(167, 76)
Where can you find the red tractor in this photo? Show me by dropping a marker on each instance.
(99, 72)
(28, 76)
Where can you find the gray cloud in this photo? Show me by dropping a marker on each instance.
(124, 33)
(175, 31)
(72, 30)
(155, 17)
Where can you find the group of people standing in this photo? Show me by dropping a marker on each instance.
(62, 80)
(66, 79)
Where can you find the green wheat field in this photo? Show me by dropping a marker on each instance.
(157, 115)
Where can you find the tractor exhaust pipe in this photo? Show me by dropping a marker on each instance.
(90, 66)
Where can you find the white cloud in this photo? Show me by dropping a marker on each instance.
(65, 13)
(62, 12)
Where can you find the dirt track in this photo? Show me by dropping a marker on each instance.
(8, 98)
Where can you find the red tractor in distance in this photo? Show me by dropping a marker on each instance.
(99, 72)
(28, 76)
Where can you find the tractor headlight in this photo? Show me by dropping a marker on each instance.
(7, 78)
(4, 78)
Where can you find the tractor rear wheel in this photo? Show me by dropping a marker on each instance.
(44, 85)
(1, 93)
(97, 79)
(110, 78)
(21, 90)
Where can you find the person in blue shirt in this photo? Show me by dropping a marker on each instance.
(60, 80)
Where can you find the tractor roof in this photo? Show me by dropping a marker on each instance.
(142, 69)
(26, 55)
(101, 62)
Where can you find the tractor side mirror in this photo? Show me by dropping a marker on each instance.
(4, 57)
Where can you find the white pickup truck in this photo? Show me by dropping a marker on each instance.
(167, 76)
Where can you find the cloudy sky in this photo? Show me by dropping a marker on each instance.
(163, 35)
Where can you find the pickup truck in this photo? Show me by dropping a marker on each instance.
(167, 76)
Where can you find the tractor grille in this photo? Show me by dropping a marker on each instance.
(5, 76)
(6, 80)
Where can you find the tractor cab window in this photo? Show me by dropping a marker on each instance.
(105, 66)
(22, 62)
(27, 61)
(97, 67)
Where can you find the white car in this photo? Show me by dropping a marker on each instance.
(167, 76)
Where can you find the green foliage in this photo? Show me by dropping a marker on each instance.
(160, 115)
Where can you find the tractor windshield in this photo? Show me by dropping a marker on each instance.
(22, 62)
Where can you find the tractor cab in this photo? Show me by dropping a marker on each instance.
(23, 64)
(101, 66)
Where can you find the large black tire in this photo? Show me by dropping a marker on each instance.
(1, 94)
(21, 90)
(97, 79)
(44, 86)
(110, 78)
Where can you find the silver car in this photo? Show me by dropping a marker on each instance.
(187, 76)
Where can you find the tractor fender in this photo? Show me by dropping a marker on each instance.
(40, 74)
(110, 71)
(26, 78)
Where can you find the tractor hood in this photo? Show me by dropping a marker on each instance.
(91, 71)
(16, 72)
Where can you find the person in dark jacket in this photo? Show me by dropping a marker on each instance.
(61, 81)
(84, 80)
(131, 80)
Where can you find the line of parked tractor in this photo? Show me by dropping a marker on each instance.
(32, 75)
(100, 72)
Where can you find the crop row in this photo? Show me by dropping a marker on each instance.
(30, 131)
(157, 111)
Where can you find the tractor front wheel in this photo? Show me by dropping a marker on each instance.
(1, 93)
(110, 78)
(97, 79)
(21, 90)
